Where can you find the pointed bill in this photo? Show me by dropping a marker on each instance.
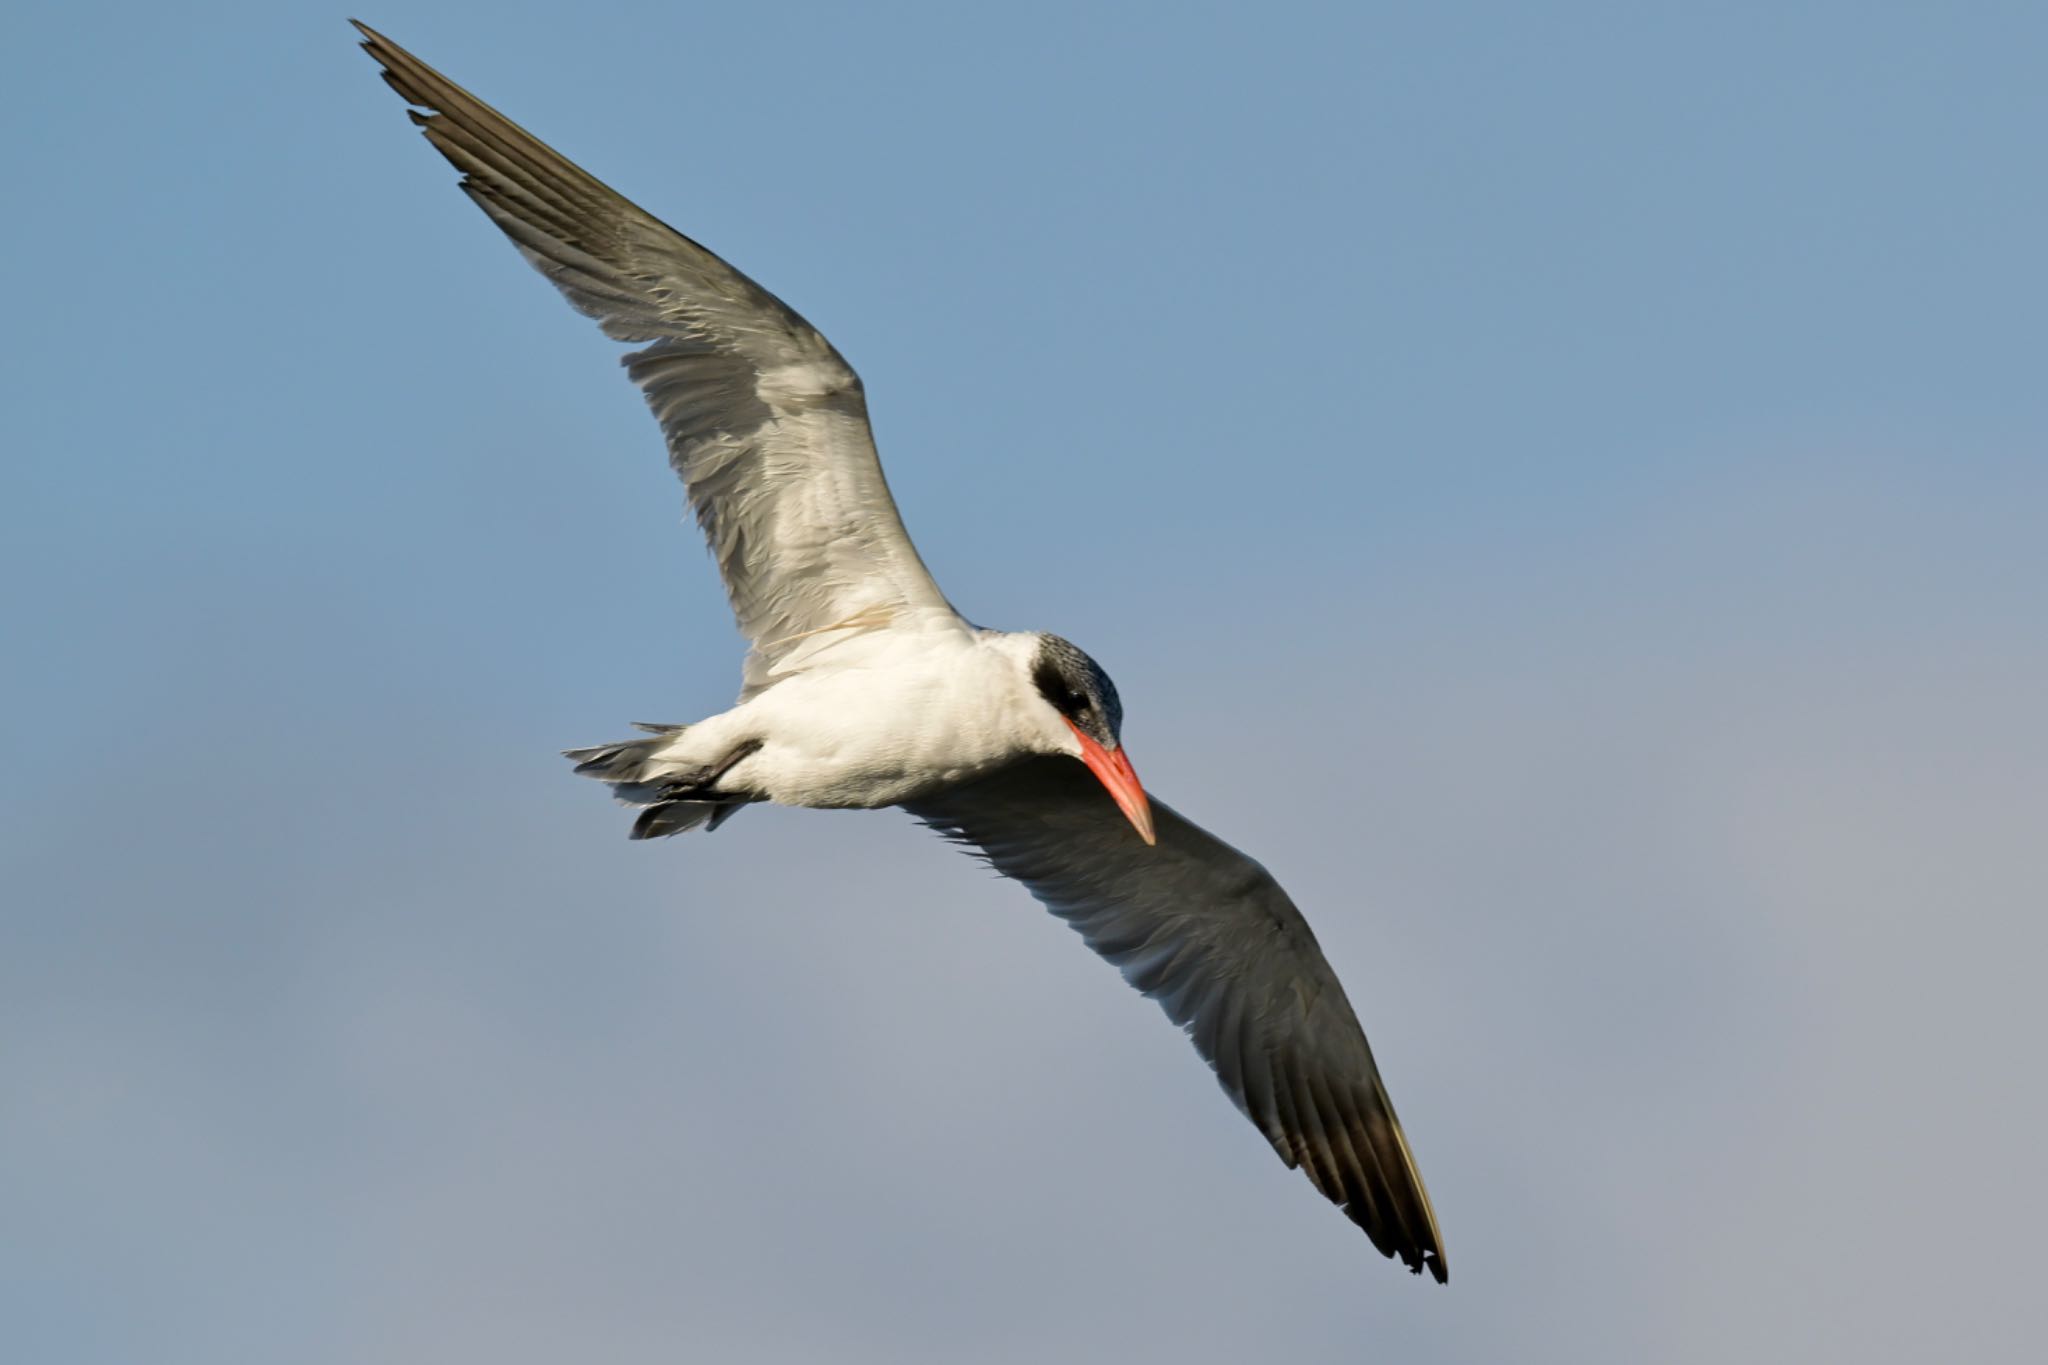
(1113, 769)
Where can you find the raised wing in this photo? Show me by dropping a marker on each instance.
(767, 425)
(1209, 934)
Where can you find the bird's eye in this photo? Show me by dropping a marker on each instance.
(1059, 694)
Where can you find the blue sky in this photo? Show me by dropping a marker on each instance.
(1562, 485)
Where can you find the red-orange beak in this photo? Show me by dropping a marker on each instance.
(1115, 772)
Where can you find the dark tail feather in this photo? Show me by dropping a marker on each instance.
(674, 802)
(664, 818)
(625, 761)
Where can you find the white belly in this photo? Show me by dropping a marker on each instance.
(893, 716)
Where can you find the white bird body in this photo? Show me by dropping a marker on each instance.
(876, 718)
(865, 688)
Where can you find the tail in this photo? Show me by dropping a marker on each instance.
(671, 802)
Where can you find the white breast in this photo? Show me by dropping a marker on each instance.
(891, 714)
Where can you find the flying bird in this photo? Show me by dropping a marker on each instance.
(863, 687)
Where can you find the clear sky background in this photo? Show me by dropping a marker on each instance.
(1566, 486)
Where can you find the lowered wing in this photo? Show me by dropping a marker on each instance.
(1209, 934)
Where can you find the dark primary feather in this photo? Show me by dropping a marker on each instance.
(1209, 934)
(766, 424)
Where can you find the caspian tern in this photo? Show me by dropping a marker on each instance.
(865, 688)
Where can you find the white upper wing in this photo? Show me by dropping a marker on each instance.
(767, 425)
(1209, 934)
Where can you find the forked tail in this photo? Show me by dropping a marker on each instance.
(670, 802)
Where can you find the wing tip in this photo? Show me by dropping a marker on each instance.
(1420, 1250)
(373, 42)
(1423, 1244)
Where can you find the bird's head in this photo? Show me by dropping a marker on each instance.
(1088, 723)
